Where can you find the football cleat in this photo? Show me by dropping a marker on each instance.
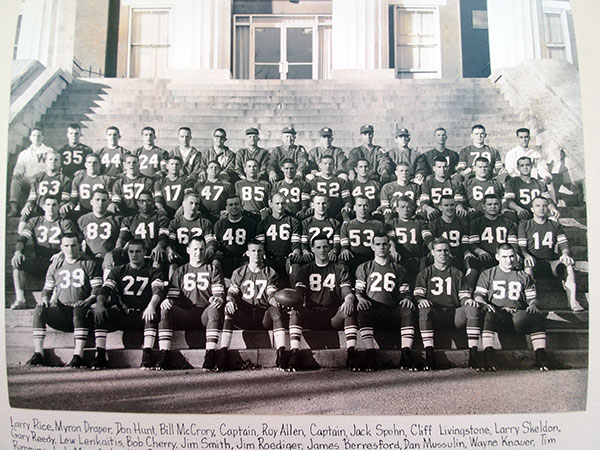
(473, 358)
(146, 359)
(209, 361)
(406, 360)
(429, 359)
(77, 362)
(541, 360)
(100, 362)
(223, 360)
(351, 359)
(294, 361)
(280, 361)
(371, 360)
(37, 359)
(490, 360)
(163, 360)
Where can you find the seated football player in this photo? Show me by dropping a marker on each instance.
(521, 190)
(152, 158)
(233, 231)
(112, 154)
(401, 187)
(384, 301)
(128, 300)
(329, 301)
(194, 301)
(295, 191)
(253, 192)
(84, 184)
(336, 188)
(440, 184)
(287, 150)
(364, 186)
(320, 223)
(468, 155)
(183, 228)
(444, 302)
(190, 156)
(170, 189)
(214, 192)
(45, 232)
(252, 151)
(72, 282)
(403, 153)
(250, 304)
(325, 147)
(356, 236)
(510, 302)
(479, 186)
(538, 238)
(282, 237)
(100, 231)
(127, 189)
(73, 153)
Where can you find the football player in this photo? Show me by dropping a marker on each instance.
(320, 223)
(509, 299)
(112, 154)
(295, 191)
(152, 158)
(85, 183)
(479, 186)
(74, 152)
(214, 192)
(128, 300)
(170, 189)
(253, 192)
(288, 149)
(336, 188)
(440, 184)
(126, 190)
(479, 148)
(190, 156)
(252, 151)
(72, 282)
(363, 186)
(379, 161)
(401, 187)
(325, 147)
(195, 300)
(403, 153)
(444, 302)
(222, 154)
(538, 238)
(440, 149)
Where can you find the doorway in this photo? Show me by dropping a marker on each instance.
(475, 39)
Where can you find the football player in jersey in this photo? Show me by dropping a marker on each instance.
(479, 186)
(295, 191)
(214, 192)
(222, 154)
(195, 300)
(185, 227)
(44, 231)
(72, 282)
(190, 156)
(252, 151)
(112, 154)
(233, 231)
(440, 184)
(538, 238)
(440, 149)
(356, 236)
(510, 302)
(152, 158)
(325, 147)
(85, 183)
(403, 153)
(74, 152)
(379, 161)
(401, 187)
(320, 223)
(170, 189)
(521, 190)
(282, 237)
(100, 231)
(479, 148)
(253, 192)
(336, 188)
(444, 302)
(288, 149)
(363, 186)
(250, 306)
(128, 300)
(384, 302)
(126, 190)
(329, 301)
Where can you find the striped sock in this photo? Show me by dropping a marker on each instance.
(279, 337)
(39, 334)
(473, 334)
(226, 338)
(351, 333)
(538, 340)
(366, 334)
(407, 337)
(100, 337)
(164, 339)
(80, 338)
(212, 338)
(149, 337)
(487, 339)
(427, 338)
(295, 336)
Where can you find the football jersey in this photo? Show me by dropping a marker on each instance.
(111, 160)
(72, 282)
(450, 155)
(150, 160)
(470, 153)
(45, 234)
(149, 229)
(296, 195)
(181, 230)
(441, 287)
(541, 240)
(100, 233)
(281, 236)
(170, 193)
(392, 190)
(432, 191)
(336, 189)
(476, 190)
(83, 186)
(514, 289)
(487, 234)
(357, 236)
(523, 192)
(325, 286)
(254, 288)
(213, 197)
(133, 287)
(408, 236)
(311, 227)
(193, 286)
(58, 185)
(232, 237)
(254, 194)
(369, 189)
(73, 158)
(126, 191)
(456, 232)
(384, 284)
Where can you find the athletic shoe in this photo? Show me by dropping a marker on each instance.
(280, 361)
(146, 359)
(77, 362)
(429, 359)
(37, 359)
(473, 358)
(490, 360)
(100, 362)
(351, 360)
(541, 360)
(209, 361)
(406, 360)
(163, 360)
(371, 360)
(294, 361)
(223, 360)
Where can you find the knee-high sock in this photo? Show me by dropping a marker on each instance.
(366, 334)
(351, 333)
(212, 338)
(407, 337)
(39, 334)
(227, 332)
(538, 340)
(100, 337)
(80, 338)
(295, 336)
(473, 334)
(279, 337)
(164, 339)
(149, 337)
(427, 337)
(487, 339)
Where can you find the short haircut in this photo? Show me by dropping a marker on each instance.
(505, 246)
(69, 235)
(233, 197)
(112, 127)
(185, 129)
(35, 129)
(137, 241)
(490, 197)
(324, 157)
(405, 164)
(481, 159)
(92, 155)
(50, 197)
(288, 161)
(190, 193)
(130, 155)
(101, 191)
(477, 126)
(196, 239)
(74, 126)
(319, 194)
(255, 242)
(251, 159)
(319, 237)
(441, 159)
(149, 129)
(446, 197)
(361, 197)
(214, 161)
(221, 130)
(439, 129)
(403, 199)
(363, 160)
(524, 158)
(381, 234)
(176, 157)
(275, 194)
(440, 240)
(145, 192)
(539, 197)
(523, 130)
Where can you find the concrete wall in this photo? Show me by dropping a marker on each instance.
(90, 29)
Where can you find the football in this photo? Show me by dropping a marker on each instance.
(288, 298)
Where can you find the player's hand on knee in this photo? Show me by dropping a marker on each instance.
(406, 303)
(395, 256)
(43, 301)
(461, 211)
(148, 314)
(27, 209)
(471, 302)
(307, 256)
(523, 214)
(345, 255)
(57, 257)
(296, 256)
(424, 303)
(215, 302)
(509, 309)
(171, 255)
(533, 308)
(230, 308)
(332, 255)
(17, 260)
(272, 176)
(157, 254)
(529, 261)
(347, 308)
(485, 256)
(100, 313)
(566, 260)
(363, 304)
(489, 307)
(166, 304)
